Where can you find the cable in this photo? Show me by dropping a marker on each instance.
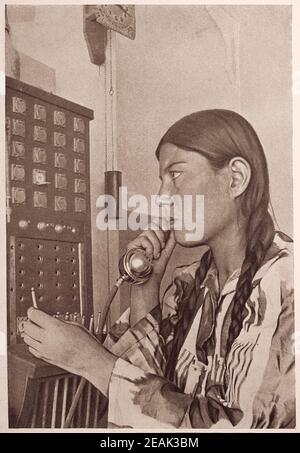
(106, 307)
(83, 381)
(111, 93)
(105, 118)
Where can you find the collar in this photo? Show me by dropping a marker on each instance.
(211, 282)
(281, 246)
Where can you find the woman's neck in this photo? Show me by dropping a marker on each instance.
(228, 250)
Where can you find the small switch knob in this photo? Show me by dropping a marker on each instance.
(41, 226)
(23, 224)
(58, 228)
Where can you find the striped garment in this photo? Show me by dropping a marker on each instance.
(201, 384)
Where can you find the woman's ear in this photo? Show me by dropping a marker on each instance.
(240, 172)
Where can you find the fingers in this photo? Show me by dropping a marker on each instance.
(160, 235)
(153, 241)
(35, 353)
(145, 243)
(32, 342)
(170, 245)
(32, 330)
(41, 318)
(156, 244)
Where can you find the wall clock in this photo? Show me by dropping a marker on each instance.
(99, 18)
(120, 18)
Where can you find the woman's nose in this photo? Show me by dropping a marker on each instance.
(164, 200)
(165, 196)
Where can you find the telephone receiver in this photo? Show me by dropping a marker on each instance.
(135, 267)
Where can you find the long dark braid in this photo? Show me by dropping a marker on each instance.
(188, 292)
(260, 238)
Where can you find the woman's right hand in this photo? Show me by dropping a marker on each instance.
(158, 246)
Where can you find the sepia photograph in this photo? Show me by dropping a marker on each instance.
(149, 217)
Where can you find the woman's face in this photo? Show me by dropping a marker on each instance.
(189, 173)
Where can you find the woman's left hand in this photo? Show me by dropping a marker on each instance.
(68, 346)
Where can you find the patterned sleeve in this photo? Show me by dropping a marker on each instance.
(140, 397)
(143, 400)
(146, 344)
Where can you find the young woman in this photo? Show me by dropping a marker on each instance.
(217, 352)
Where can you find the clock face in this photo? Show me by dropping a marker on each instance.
(120, 18)
(119, 14)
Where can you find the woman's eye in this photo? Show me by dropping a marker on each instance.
(175, 174)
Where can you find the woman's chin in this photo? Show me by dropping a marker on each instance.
(187, 239)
